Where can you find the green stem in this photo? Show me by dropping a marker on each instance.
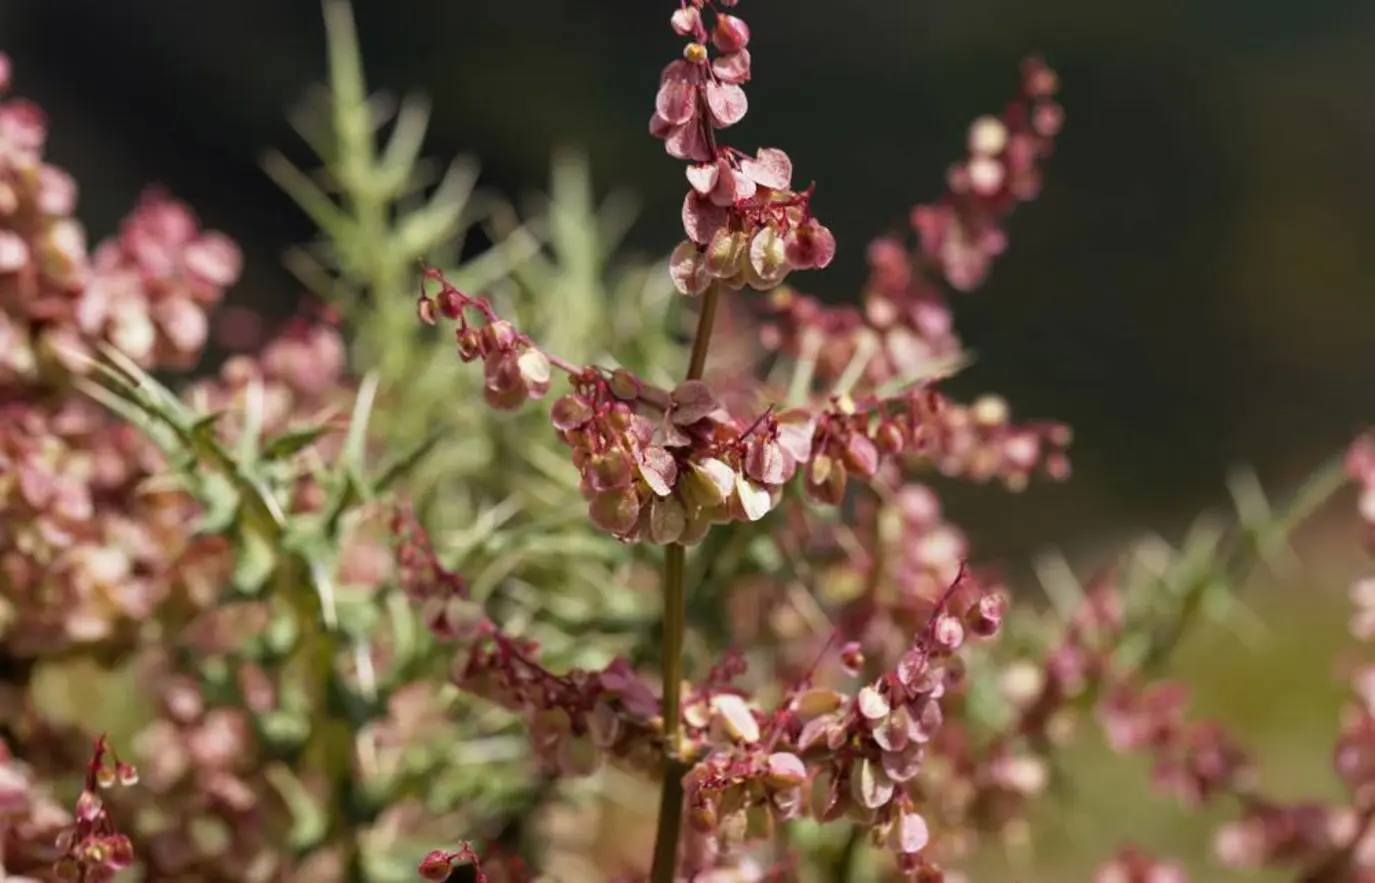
(675, 612)
(697, 361)
(675, 616)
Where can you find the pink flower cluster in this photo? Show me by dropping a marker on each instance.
(963, 232)
(849, 756)
(664, 465)
(84, 554)
(822, 752)
(145, 291)
(903, 314)
(745, 223)
(574, 719)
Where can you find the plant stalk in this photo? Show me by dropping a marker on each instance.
(670, 823)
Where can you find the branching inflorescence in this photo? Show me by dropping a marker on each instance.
(825, 661)
(666, 465)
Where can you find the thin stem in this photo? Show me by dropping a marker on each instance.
(675, 610)
(701, 341)
(675, 624)
(665, 866)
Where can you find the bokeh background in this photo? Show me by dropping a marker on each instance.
(1192, 292)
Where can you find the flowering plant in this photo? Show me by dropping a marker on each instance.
(357, 639)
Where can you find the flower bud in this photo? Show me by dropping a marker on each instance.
(436, 866)
(765, 461)
(571, 412)
(616, 512)
(768, 259)
(119, 852)
(810, 246)
(731, 34)
(784, 770)
(987, 136)
(609, 471)
(869, 784)
(693, 400)
(535, 372)
(500, 336)
(451, 303)
(751, 501)
(625, 385)
(735, 717)
(708, 483)
(667, 520)
(686, 20)
(986, 617)
(469, 341)
(726, 252)
(909, 834)
(504, 386)
(826, 478)
(689, 269)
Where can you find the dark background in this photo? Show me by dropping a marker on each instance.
(1191, 293)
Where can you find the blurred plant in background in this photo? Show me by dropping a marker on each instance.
(736, 590)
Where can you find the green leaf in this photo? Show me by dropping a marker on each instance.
(424, 229)
(254, 561)
(310, 822)
(285, 731)
(327, 216)
(354, 451)
(400, 467)
(220, 502)
(292, 442)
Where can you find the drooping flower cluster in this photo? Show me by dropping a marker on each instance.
(745, 223)
(574, 719)
(39, 840)
(859, 755)
(664, 465)
(866, 605)
(93, 849)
